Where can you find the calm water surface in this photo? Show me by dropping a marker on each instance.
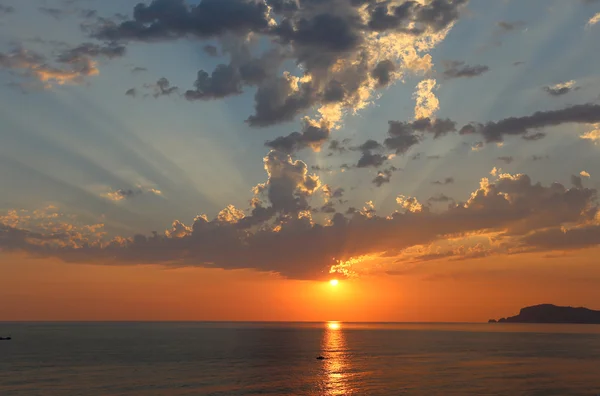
(279, 359)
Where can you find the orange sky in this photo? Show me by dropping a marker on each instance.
(475, 290)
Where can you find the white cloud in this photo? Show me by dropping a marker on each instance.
(593, 20)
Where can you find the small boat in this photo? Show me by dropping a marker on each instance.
(5, 338)
(320, 357)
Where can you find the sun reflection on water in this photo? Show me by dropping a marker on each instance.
(336, 364)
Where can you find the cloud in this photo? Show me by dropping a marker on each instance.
(211, 50)
(289, 185)
(336, 146)
(383, 72)
(313, 135)
(384, 176)
(371, 154)
(440, 198)
(75, 63)
(560, 88)
(346, 50)
(593, 135)
(162, 88)
(456, 69)
(30, 64)
(521, 126)
(53, 12)
(510, 26)
(427, 104)
(506, 159)
(593, 20)
(170, 19)
(448, 180)
(402, 136)
(369, 159)
(331, 193)
(131, 92)
(4, 9)
(139, 69)
(523, 216)
(584, 174)
(124, 194)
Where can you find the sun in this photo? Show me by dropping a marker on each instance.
(334, 282)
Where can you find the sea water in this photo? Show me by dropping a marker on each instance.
(175, 359)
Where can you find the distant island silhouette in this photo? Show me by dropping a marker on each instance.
(549, 313)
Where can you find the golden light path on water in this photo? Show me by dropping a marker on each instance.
(336, 364)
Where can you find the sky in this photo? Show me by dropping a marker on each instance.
(223, 160)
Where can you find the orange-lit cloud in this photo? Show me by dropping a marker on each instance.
(521, 216)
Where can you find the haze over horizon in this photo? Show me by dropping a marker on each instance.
(225, 160)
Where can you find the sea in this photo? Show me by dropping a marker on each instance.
(174, 359)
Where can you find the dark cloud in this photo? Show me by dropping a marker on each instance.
(384, 176)
(522, 126)
(171, 19)
(371, 156)
(456, 69)
(534, 136)
(131, 92)
(412, 17)
(577, 181)
(138, 69)
(221, 83)
(560, 89)
(557, 239)
(228, 80)
(4, 9)
(91, 50)
(539, 157)
(506, 159)
(333, 193)
(383, 72)
(338, 146)
(328, 207)
(370, 145)
(280, 100)
(319, 168)
(312, 136)
(369, 159)
(129, 193)
(53, 12)
(440, 198)
(211, 50)
(331, 40)
(510, 26)
(527, 216)
(162, 88)
(448, 180)
(402, 137)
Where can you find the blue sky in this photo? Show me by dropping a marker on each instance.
(70, 145)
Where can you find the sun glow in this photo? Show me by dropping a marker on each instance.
(333, 325)
(334, 282)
